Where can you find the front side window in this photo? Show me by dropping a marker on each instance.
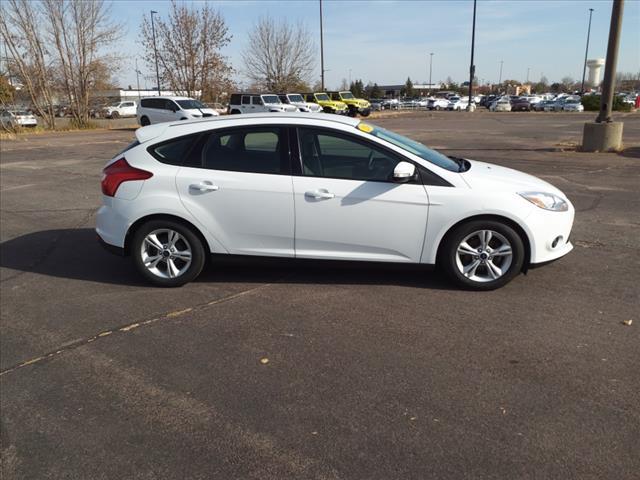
(256, 100)
(332, 155)
(171, 105)
(323, 97)
(347, 95)
(246, 100)
(251, 150)
(271, 99)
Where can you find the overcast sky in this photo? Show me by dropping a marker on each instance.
(385, 41)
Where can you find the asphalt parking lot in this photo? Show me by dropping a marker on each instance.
(277, 370)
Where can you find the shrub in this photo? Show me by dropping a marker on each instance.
(592, 103)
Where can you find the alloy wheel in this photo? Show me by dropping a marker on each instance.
(166, 253)
(484, 256)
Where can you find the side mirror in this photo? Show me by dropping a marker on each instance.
(404, 172)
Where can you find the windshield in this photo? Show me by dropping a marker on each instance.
(416, 148)
(190, 104)
(295, 98)
(117, 104)
(347, 95)
(270, 99)
(322, 97)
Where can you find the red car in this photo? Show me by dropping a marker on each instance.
(520, 105)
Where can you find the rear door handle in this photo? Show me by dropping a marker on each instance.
(320, 194)
(204, 187)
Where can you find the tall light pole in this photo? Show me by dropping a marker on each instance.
(430, 65)
(606, 100)
(472, 67)
(321, 52)
(155, 49)
(586, 52)
(500, 77)
(349, 77)
(138, 72)
(528, 70)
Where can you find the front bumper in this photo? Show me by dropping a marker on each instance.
(549, 234)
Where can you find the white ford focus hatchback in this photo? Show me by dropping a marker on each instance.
(322, 187)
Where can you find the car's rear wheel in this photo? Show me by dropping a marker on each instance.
(482, 255)
(144, 121)
(437, 108)
(115, 115)
(167, 253)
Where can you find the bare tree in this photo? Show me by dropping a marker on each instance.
(189, 45)
(279, 56)
(80, 31)
(28, 59)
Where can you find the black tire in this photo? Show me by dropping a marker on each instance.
(365, 113)
(447, 260)
(235, 111)
(198, 254)
(115, 115)
(144, 121)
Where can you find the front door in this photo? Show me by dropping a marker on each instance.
(347, 207)
(239, 187)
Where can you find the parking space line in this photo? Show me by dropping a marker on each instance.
(131, 326)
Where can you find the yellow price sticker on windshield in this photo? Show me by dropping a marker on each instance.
(365, 127)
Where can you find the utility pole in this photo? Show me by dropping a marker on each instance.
(528, 70)
(321, 52)
(586, 52)
(604, 135)
(430, 65)
(472, 67)
(138, 72)
(155, 49)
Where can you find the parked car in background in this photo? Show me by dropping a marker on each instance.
(376, 104)
(487, 100)
(353, 191)
(257, 103)
(120, 109)
(438, 104)
(169, 109)
(297, 100)
(218, 107)
(328, 105)
(544, 106)
(458, 103)
(17, 118)
(356, 106)
(573, 105)
(520, 105)
(501, 105)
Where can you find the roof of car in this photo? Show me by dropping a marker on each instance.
(168, 97)
(279, 115)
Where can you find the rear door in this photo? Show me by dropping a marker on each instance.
(237, 182)
(347, 207)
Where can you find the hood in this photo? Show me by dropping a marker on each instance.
(197, 112)
(487, 176)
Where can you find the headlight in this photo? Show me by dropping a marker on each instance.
(547, 201)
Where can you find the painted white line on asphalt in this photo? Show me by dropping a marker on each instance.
(17, 187)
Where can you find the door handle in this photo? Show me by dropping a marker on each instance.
(320, 194)
(204, 187)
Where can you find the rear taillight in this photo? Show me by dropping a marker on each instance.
(118, 172)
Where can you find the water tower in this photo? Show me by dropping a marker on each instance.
(594, 67)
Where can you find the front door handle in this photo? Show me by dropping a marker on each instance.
(204, 187)
(320, 194)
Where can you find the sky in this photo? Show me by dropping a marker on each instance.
(386, 41)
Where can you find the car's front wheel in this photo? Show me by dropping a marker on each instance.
(167, 253)
(482, 255)
(144, 121)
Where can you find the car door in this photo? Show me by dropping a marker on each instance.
(237, 182)
(347, 206)
(128, 109)
(246, 106)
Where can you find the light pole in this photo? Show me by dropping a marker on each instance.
(430, 65)
(155, 49)
(349, 77)
(586, 52)
(528, 70)
(138, 73)
(472, 67)
(321, 52)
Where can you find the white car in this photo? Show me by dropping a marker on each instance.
(121, 109)
(169, 109)
(501, 105)
(438, 104)
(573, 105)
(458, 103)
(257, 103)
(297, 101)
(17, 118)
(322, 187)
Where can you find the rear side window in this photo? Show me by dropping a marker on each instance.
(175, 151)
(235, 99)
(250, 150)
(246, 100)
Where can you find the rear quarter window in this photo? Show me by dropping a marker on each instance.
(176, 151)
